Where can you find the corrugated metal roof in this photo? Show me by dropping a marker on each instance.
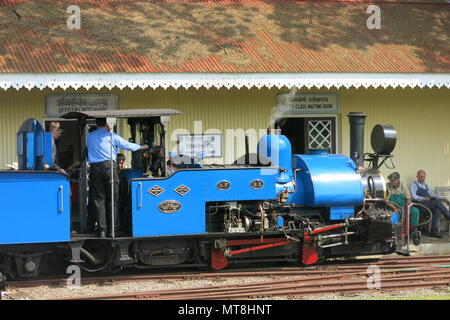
(233, 36)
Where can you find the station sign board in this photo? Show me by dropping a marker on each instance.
(307, 102)
(59, 104)
(207, 145)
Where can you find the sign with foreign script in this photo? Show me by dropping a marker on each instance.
(307, 102)
(206, 145)
(59, 104)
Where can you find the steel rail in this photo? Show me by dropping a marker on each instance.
(386, 266)
(305, 286)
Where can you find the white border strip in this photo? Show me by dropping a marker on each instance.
(219, 80)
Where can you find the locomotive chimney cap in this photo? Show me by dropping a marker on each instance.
(357, 115)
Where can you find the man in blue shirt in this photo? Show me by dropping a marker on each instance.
(421, 193)
(99, 157)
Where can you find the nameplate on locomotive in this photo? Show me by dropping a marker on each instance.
(257, 184)
(223, 185)
(169, 206)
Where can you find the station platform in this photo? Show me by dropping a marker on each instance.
(432, 246)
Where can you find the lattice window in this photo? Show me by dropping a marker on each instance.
(320, 134)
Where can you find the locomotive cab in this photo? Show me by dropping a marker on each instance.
(141, 126)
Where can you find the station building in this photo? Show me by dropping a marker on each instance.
(233, 68)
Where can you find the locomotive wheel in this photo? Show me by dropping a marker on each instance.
(12, 271)
(97, 255)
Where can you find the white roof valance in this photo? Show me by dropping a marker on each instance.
(219, 80)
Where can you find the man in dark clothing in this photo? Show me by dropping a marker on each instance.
(421, 193)
(100, 153)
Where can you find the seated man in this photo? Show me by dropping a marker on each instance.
(400, 196)
(421, 193)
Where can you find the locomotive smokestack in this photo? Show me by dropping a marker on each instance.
(357, 120)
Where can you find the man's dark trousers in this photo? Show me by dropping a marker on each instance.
(437, 208)
(99, 182)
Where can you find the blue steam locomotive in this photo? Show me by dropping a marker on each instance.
(177, 212)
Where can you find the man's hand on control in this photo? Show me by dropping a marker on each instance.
(144, 147)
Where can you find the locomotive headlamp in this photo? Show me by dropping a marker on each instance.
(383, 139)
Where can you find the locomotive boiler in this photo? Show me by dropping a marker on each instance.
(177, 212)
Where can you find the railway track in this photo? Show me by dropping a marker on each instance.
(291, 287)
(335, 267)
(396, 274)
